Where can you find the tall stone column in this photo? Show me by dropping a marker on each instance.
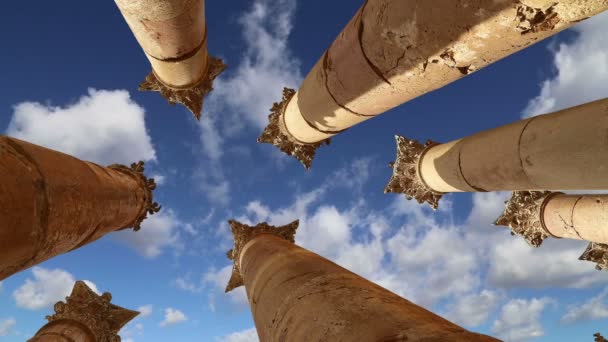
(296, 295)
(52, 203)
(393, 51)
(536, 215)
(565, 150)
(173, 35)
(85, 317)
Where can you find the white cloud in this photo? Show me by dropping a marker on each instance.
(218, 279)
(582, 70)
(131, 329)
(159, 179)
(520, 319)
(267, 66)
(145, 310)
(594, 308)
(173, 316)
(474, 309)
(249, 335)
(104, 126)
(47, 288)
(8, 324)
(243, 95)
(186, 284)
(513, 263)
(158, 232)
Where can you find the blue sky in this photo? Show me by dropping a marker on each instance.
(70, 77)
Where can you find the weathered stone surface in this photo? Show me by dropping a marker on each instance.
(297, 295)
(523, 215)
(242, 234)
(597, 253)
(52, 203)
(406, 177)
(191, 97)
(83, 315)
(275, 134)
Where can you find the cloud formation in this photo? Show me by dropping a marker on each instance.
(581, 70)
(158, 233)
(104, 126)
(47, 287)
(593, 309)
(172, 317)
(7, 325)
(520, 319)
(249, 335)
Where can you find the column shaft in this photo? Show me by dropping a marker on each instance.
(296, 295)
(172, 33)
(582, 217)
(52, 203)
(64, 331)
(395, 50)
(565, 150)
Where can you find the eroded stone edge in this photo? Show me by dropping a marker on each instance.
(276, 134)
(406, 178)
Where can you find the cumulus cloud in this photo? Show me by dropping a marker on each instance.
(512, 263)
(7, 325)
(554, 264)
(145, 310)
(473, 309)
(158, 232)
(47, 287)
(519, 319)
(249, 335)
(104, 126)
(594, 308)
(173, 316)
(581, 70)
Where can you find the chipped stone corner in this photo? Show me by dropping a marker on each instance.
(191, 97)
(532, 19)
(276, 134)
(597, 253)
(523, 214)
(243, 233)
(406, 178)
(136, 170)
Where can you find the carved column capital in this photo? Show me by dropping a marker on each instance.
(191, 97)
(243, 233)
(276, 134)
(136, 170)
(93, 311)
(597, 253)
(524, 215)
(406, 172)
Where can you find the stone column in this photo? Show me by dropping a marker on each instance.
(85, 317)
(393, 51)
(536, 215)
(296, 295)
(52, 203)
(565, 150)
(173, 35)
